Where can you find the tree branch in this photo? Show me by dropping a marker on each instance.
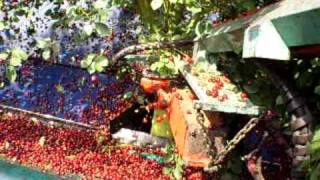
(156, 45)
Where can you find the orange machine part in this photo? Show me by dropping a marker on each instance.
(152, 85)
(187, 132)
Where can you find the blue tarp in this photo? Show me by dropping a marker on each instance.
(37, 86)
(65, 92)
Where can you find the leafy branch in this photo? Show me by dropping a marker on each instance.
(48, 48)
(95, 63)
(13, 59)
(175, 168)
(93, 18)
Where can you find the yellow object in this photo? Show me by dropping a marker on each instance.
(162, 128)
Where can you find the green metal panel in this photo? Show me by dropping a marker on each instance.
(299, 29)
(270, 32)
(16, 172)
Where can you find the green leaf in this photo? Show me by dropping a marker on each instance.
(44, 43)
(14, 61)
(99, 4)
(177, 173)
(98, 68)
(173, 1)
(2, 26)
(87, 61)
(11, 73)
(316, 136)
(46, 54)
(170, 65)
(166, 171)
(88, 29)
(102, 29)
(315, 174)
(128, 95)
(170, 157)
(84, 64)
(156, 4)
(92, 68)
(194, 10)
(180, 161)
(19, 54)
(101, 62)
(59, 88)
(55, 47)
(248, 4)
(3, 56)
(154, 66)
(317, 90)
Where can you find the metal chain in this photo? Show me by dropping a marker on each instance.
(236, 140)
(219, 158)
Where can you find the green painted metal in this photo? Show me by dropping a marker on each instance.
(299, 29)
(271, 32)
(10, 171)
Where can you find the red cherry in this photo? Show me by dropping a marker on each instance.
(215, 93)
(221, 98)
(95, 79)
(244, 96)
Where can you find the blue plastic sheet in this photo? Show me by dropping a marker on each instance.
(68, 93)
(39, 86)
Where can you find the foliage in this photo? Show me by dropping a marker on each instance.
(165, 66)
(313, 165)
(48, 47)
(93, 15)
(95, 63)
(175, 166)
(13, 59)
(178, 19)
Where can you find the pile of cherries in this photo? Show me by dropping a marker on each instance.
(66, 151)
(217, 89)
(218, 85)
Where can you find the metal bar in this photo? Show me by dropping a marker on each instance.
(48, 117)
(246, 110)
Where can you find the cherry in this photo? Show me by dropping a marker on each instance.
(214, 93)
(244, 96)
(73, 151)
(95, 79)
(221, 98)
